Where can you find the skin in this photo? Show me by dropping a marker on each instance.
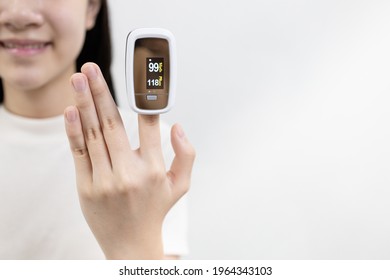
(124, 193)
(37, 86)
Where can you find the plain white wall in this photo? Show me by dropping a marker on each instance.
(288, 105)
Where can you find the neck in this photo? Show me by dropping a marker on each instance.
(44, 102)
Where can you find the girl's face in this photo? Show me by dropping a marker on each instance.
(40, 40)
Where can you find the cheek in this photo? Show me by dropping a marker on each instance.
(69, 32)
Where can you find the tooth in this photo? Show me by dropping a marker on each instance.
(31, 46)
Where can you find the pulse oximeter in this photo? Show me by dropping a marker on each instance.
(151, 70)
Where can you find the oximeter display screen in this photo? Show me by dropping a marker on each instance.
(154, 72)
(151, 69)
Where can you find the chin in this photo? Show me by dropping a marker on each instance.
(25, 81)
(26, 86)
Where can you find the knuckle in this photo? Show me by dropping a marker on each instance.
(106, 183)
(105, 190)
(93, 134)
(129, 186)
(101, 187)
(156, 175)
(110, 123)
(80, 152)
(105, 193)
(125, 183)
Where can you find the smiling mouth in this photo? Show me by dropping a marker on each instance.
(23, 46)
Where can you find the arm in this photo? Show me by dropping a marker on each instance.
(124, 193)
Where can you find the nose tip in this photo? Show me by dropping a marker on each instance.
(19, 18)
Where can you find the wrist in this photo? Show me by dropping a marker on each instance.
(145, 247)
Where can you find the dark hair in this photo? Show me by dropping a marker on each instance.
(97, 48)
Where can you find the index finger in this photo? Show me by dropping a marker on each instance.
(149, 136)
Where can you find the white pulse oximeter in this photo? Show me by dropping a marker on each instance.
(151, 70)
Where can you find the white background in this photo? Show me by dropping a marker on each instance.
(288, 105)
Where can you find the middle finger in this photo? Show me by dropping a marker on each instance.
(115, 135)
(101, 162)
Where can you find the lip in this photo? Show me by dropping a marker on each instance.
(23, 47)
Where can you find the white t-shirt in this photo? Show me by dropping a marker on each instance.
(40, 215)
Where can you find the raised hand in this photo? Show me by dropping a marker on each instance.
(124, 193)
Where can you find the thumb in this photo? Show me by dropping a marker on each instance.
(181, 168)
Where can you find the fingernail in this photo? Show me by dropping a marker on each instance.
(78, 83)
(91, 72)
(71, 115)
(180, 131)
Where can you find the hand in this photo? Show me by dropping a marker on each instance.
(124, 193)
